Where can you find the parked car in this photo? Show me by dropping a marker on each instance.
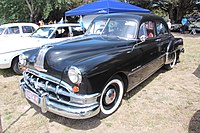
(176, 27)
(89, 75)
(12, 47)
(195, 26)
(17, 29)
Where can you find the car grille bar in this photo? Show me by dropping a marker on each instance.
(56, 93)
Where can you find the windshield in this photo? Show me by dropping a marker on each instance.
(43, 32)
(123, 29)
(1, 30)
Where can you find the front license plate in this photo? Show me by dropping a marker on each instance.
(31, 96)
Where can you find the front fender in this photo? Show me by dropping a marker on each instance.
(92, 69)
(7, 58)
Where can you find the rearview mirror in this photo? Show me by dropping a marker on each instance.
(143, 38)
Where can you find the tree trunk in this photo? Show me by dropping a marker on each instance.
(171, 12)
(31, 9)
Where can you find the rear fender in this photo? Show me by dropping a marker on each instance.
(175, 45)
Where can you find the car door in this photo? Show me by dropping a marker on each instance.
(150, 61)
(164, 37)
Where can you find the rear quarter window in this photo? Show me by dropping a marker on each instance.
(28, 29)
(161, 28)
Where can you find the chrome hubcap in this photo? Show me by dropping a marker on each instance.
(110, 96)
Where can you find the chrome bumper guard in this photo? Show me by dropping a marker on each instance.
(89, 108)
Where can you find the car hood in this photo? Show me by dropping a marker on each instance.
(11, 44)
(71, 53)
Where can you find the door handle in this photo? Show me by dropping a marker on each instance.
(158, 40)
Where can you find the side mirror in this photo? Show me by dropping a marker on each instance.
(143, 38)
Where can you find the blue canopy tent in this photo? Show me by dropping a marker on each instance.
(105, 7)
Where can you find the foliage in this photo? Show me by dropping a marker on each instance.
(34, 10)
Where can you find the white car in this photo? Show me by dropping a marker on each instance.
(17, 29)
(12, 47)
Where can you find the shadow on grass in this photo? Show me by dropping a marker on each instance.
(137, 89)
(82, 124)
(16, 120)
(194, 125)
(7, 72)
(197, 72)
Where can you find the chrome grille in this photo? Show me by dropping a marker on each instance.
(55, 91)
(40, 85)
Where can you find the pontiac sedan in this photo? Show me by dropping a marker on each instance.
(89, 75)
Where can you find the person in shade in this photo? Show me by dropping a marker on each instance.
(184, 25)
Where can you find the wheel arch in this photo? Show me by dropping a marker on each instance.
(13, 59)
(124, 79)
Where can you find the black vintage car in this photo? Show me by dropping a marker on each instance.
(89, 75)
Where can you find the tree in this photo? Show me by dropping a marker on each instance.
(176, 8)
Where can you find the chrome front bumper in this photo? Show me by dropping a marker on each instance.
(61, 107)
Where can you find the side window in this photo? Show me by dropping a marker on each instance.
(150, 29)
(27, 29)
(161, 29)
(143, 30)
(76, 30)
(61, 32)
(12, 30)
(147, 29)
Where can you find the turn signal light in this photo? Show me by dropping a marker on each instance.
(75, 89)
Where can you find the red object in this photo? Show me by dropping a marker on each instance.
(75, 89)
(150, 35)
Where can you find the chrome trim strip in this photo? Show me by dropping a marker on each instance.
(39, 64)
(144, 79)
(138, 68)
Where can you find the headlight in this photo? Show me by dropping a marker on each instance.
(75, 75)
(22, 60)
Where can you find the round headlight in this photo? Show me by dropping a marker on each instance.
(75, 75)
(22, 59)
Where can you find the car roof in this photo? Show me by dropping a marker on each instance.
(18, 24)
(136, 16)
(61, 25)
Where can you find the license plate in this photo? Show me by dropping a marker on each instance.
(31, 96)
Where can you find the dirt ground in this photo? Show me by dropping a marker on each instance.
(167, 102)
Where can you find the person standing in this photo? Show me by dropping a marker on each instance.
(169, 24)
(184, 25)
(41, 22)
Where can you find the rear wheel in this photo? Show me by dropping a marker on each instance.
(111, 96)
(173, 63)
(16, 67)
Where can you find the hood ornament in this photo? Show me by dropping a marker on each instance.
(39, 64)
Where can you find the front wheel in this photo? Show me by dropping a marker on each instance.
(111, 96)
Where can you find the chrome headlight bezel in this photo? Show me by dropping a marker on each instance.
(75, 75)
(22, 60)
